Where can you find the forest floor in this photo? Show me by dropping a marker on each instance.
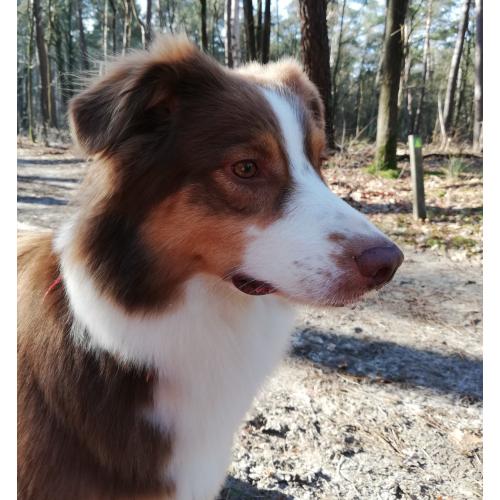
(381, 400)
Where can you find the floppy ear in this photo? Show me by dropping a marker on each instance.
(289, 72)
(137, 95)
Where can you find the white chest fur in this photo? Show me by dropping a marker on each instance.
(211, 353)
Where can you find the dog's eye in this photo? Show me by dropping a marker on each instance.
(245, 169)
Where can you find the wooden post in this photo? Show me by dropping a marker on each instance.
(417, 176)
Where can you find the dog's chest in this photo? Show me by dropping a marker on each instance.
(217, 360)
(210, 353)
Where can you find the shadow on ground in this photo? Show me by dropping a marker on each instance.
(41, 200)
(45, 161)
(406, 208)
(36, 178)
(388, 362)
(234, 489)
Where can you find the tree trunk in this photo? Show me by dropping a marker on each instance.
(250, 30)
(161, 17)
(227, 42)
(21, 99)
(52, 76)
(83, 42)
(421, 102)
(336, 69)
(359, 93)
(204, 36)
(380, 65)
(113, 25)
(235, 33)
(29, 79)
(387, 120)
(140, 22)
(105, 32)
(69, 48)
(258, 41)
(458, 124)
(149, 15)
(449, 101)
(266, 32)
(43, 64)
(60, 64)
(126, 26)
(478, 79)
(61, 69)
(405, 78)
(315, 52)
(171, 15)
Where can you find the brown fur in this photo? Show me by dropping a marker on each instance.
(159, 203)
(80, 433)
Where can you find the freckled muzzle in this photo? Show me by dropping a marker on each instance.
(365, 267)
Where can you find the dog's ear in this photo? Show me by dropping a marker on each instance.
(289, 72)
(138, 93)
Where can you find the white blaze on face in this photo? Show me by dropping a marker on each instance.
(296, 253)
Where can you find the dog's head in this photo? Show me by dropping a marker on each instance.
(201, 169)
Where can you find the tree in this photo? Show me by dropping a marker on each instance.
(258, 41)
(460, 122)
(249, 29)
(83, 41)
(52, 78)
(145, 30)
(336, 68)
(43, 64)
(478, 78)
(105, 32)
(204, 36)
(451, 88)
(387, 119)
(425, 68)
(149, 31)
(29, 78)
(315, 52)
(266, 33)
(113, 24)
(235, 33)
(228, 46)
(406, 70)
(68, 92)
(127, 25)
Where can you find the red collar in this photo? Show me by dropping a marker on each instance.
(53, 285)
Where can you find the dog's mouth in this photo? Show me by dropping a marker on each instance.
(252, 286)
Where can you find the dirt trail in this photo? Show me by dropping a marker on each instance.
(378, 401)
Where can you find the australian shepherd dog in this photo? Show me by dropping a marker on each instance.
(150, 319)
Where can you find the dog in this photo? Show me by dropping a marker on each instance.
(147, 323)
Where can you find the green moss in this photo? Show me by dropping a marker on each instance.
(392, 173)
(435, 241)
(462, 242)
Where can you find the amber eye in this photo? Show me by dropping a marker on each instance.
(245, 169)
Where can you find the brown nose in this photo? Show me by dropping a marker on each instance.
(380, 263)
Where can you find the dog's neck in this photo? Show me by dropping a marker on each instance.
(210, 352)
(207, 307)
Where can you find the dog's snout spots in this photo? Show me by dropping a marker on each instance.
(336, 237)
